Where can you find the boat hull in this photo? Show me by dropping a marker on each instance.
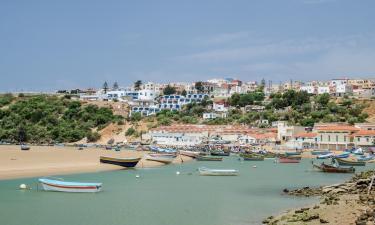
(289, 160)
(165, 160)
(332, 169)
(73, 187)
(216, 172)
(220, 153)
(343, 162)
(189, 153)
(124, 162)
(209, 158)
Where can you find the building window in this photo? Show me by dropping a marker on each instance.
(358, 139)
(321, 137)
(329, 137)
(345, 138)
(337, 138)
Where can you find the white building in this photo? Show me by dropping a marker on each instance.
(177, 138)
(308, 89)
(323, 90)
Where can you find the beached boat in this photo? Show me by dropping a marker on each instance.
(217, 172)
(358, 151)
(325, 156)
(344, 162)
(341, 156)
(289, 159)
(25, 147)
(208, 158)
(125, 162)
(363, 158)
(161, 159)
(189, 153)
(168, 155)
(320, 152)
(333, 169)
(220, 153)
(65, 186)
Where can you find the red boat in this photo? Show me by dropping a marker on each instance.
(283, 159)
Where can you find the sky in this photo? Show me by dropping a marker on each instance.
(47, 45)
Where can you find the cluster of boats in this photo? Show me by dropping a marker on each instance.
(340, 164)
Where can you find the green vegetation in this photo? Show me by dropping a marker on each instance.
(297, 107)
(49, 119)
(6, 99)
(169, 90)
(131, 131)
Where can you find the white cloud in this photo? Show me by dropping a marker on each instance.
(221, 38)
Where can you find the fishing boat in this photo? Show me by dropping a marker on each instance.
(208, 158)
(65, 186)
(363, 158)
(292, 153)
(25, 147)
(325, 156)
(344, 162)
(189, 153)
(289, 159)
(161, 159)
(320, 152)
(358, 151)
(220, 153)
(333, 169)
(125, 162)
(342, 155)
(217, 172)
(167, 155)
(253, 157)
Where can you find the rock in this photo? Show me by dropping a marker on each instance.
(323, 220)
(316, 207)
(363, 181)
(286, 190)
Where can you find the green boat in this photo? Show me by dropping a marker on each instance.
(208, 158)
(252, 157)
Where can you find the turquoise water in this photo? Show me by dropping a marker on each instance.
(161, 197)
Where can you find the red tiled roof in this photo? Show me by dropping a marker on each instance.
(365, 133)
(337, 128)
(306, 135)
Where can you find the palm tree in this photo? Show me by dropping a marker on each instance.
(115, 86)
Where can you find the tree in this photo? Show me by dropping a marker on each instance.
(21, 133)
(93, 136)
(137, 85)
(199, 86)
(323, 99)
(105, 87)
(184, 93)
(115, 86)
(131, 131)
(169, 90)
(135, 117)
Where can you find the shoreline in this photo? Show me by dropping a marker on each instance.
(55, 160)
(343, 203)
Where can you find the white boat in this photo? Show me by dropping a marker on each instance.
(161, 159)
(325, 156)
(217, 172)
(189, 153)
(65, 186)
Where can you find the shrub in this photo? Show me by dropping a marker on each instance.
(131, 131)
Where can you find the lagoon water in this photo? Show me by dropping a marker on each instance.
(161, 197)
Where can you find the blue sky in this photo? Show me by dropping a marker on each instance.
(49, 45)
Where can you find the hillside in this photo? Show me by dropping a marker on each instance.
(370, 110)
(51, 119)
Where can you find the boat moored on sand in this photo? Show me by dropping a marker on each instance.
(65, 186)
(161, 159)
(189, 153)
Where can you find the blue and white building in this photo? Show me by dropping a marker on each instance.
(176, 102)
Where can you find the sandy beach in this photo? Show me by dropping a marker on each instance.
(53, 160)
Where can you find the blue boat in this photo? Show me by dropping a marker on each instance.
(363, 158)
(320, 152)
(342, 155)
(325, 156)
